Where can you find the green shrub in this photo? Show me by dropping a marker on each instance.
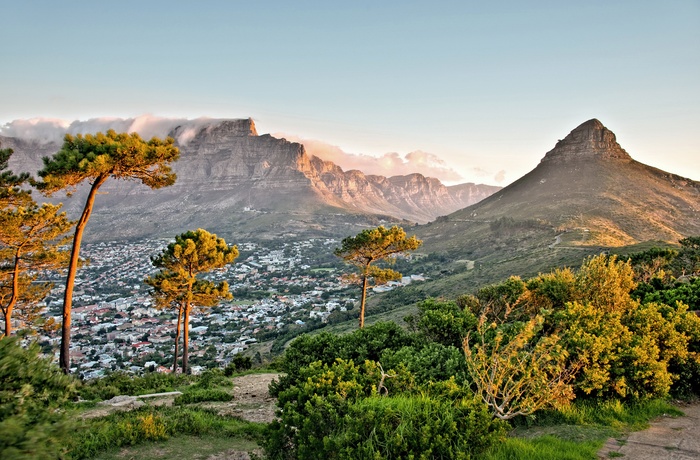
(239, 363)
(417, 427)
(443, 322)
(431, 363)
(210, 378)
(121, 383)
(313, 408)
(32, 421)
(363, 344)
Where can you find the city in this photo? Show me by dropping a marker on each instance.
(276, 285)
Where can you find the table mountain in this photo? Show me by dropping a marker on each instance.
(237, 183)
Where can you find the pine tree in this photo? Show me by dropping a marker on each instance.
(31, 238)
(177, 285)
(96, 158)
(370, 246)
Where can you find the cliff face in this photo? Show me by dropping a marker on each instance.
(232, 180)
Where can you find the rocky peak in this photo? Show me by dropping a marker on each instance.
(215, 131)
(589, 140)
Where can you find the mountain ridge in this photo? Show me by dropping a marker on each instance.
(235, 181)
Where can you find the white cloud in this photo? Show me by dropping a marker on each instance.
(389, 164)
(52, 130)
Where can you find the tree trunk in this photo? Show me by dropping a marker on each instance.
(64, 358)
(186, 327)
(364, 298)
(177, 337)
(13, 298)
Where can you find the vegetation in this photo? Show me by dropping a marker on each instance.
(96, 158)
(177, 285)
(370, 246)
(598, 348)
(31, 237)
(33, 393)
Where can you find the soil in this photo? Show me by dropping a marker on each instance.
(252, 400)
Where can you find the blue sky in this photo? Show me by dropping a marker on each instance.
(486, 86)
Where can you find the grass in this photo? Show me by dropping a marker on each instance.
(149, 425)
(578, 431)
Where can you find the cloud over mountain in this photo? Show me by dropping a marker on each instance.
(52, 130)
(389, 164)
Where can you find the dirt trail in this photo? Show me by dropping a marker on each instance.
(668, 438)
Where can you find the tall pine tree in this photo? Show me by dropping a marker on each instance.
(96, 158)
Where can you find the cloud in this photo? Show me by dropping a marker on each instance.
(147, 126)
(389, 164)
(500, 176)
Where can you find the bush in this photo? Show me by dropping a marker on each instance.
(121, 383)
(33, 391)
(239, 363)
(313, 408)
(417, 427)
(431, 363)
(446, 323)
(364, 344)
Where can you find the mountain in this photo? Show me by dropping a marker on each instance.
(237, 183)
(587, 194)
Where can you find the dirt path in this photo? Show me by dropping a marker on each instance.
(668, 438)
(252, 400)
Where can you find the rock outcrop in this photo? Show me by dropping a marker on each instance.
(589, 140)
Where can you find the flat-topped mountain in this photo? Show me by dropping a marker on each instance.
(587, 186)
(235, 182)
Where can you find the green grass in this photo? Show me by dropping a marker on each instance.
(578, 431)
(147, 425)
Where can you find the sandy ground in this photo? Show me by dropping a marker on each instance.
(668, 438)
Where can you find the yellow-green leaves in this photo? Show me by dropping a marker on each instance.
(99, 156)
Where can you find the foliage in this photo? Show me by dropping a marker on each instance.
(31, 237)
(152, 423)
(626, 349)
(121, 383)
(177, 284)
(336, 411)
(361, 345)
(518, 373)
(432, 362)
(10, 192)
(238, 363)
(417, 427)
(370, 246)
(32, 421)
(96, 158)
(444, 322)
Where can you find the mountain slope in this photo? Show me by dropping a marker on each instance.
(589, 185)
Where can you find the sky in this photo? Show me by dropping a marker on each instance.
(478, 90)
